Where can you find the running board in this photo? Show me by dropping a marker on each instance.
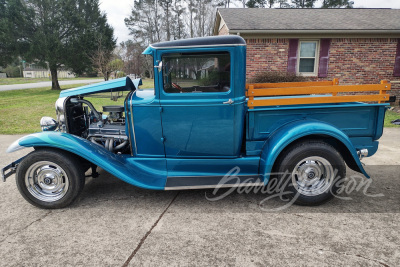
(207, 182)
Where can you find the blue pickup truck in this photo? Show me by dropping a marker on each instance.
(199, 123)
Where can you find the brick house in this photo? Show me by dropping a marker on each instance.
(358, 46)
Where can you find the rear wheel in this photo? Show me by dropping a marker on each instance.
(313, 171)
(50, 179)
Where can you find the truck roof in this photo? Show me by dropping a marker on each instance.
(228, 40)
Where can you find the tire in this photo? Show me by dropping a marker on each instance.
(50, 178)
(312, 172)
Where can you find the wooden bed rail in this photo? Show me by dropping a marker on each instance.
(306, 92)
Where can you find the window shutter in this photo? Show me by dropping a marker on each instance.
(396, 71)
(292, 55)
(324, 58)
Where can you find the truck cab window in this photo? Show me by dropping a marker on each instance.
(196, 72)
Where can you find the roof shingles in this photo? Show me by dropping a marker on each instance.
(311, 19)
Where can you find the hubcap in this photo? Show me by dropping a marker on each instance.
(46, 181)
(312, 176)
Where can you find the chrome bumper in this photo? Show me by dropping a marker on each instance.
(11, 168)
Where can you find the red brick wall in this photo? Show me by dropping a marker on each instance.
(351, 60)
(361, 61)
(266, 55)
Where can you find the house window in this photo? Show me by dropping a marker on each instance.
(308, 57)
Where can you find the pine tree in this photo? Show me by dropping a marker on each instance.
(15, 23)
(63, 33)
(303, 3)
(256, 3)
(260, 3)
(337, 4)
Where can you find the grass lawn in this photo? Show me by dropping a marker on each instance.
(391, 116)
(7, 81)
(21, 110)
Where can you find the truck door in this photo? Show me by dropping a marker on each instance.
(198, 104)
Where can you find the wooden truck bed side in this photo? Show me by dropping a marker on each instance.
(265, 94)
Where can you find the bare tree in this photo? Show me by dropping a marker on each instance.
(134, 62)
(145, 21)
(166, 5)
(179, 11)
(192, 13)
(101, 59)
(115, 66)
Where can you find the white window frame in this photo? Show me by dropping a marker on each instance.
(316, 64)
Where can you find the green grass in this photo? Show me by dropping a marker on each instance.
(7, 81)
(21, 110)
(391, 116)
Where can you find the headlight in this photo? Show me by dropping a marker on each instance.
(48, 124)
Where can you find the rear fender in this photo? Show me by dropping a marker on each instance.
(291, 132)
(141, 173)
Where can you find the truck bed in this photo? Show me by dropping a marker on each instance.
(361, 122)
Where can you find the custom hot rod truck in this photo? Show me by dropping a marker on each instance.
(199, 123)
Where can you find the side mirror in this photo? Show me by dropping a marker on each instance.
(159, 66)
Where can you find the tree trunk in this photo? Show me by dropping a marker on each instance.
(191, 19)
(54, 79)
(106, 74)
(167, 21)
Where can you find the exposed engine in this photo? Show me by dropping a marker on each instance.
(79, 117)
(110, 131)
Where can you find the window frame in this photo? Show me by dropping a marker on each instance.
(316, 62)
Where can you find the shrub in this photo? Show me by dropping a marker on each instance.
(277, 77)
(12, 71)
(89, 74)
(120, 74)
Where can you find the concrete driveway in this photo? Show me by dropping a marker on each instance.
(115, 224)
(45, 84)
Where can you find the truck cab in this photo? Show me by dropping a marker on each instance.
(200, 89)
(202, 126)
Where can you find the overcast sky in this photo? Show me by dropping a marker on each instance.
(118, 10)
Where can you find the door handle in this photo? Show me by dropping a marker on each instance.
(230, 102)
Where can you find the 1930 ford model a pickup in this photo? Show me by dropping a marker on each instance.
(200, 121)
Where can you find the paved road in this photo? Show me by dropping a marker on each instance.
(44, 84)
(114, 223)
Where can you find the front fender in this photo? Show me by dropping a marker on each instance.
(288, 133)
(133, 171)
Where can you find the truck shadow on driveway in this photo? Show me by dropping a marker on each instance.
(380, 195)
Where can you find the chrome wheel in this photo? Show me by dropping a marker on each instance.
(313, 176)
(46, 181)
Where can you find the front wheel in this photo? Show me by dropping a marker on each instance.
(312, 171)
(50, 179)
